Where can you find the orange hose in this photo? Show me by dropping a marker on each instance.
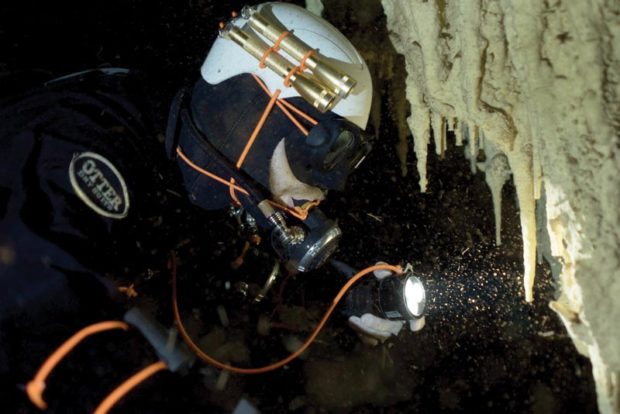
(208, 174)
(35, 388)
(210, 360)
(128, 385)
(301, 214)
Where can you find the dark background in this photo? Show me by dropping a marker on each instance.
(483, 349)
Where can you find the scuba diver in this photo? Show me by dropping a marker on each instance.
(275, 121)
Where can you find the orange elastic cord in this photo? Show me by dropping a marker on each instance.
(257, 128)
(292, 211)
(279, 40)
(248, 145)
(261, 62)
(283, 104)
(299, 112)
(298, 69)
(232, 193)
(298, 212)
(128, 385)
(289, 75)
(35, 388)
(274, 48)
(306, 207)
(209, 359)
(302, 62)
(208, 174)
(238, 262)
(130, 291)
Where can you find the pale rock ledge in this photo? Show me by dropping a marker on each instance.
(532, 88)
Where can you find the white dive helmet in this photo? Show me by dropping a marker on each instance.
(226, 59)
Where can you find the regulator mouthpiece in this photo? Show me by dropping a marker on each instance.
(303, 249)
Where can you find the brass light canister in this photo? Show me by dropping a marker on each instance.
(341, 83)
(320, 96)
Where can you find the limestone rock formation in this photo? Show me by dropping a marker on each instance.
(532, 89)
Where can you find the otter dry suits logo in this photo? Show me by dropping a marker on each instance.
(99, 184)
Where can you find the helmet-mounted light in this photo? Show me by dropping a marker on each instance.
(321, 97)
(266, 25)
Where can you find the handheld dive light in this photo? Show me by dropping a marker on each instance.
(391, 297)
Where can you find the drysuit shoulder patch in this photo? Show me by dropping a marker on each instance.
(98, 183)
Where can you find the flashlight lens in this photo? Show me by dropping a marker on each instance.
(414, 296)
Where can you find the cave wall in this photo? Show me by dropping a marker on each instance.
(531, 90)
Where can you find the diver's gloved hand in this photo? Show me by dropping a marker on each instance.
(373, 329)
(381, 329)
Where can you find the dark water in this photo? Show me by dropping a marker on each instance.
(483, 349)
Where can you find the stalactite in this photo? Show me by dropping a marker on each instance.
(539, 82)
(472, 139)
(439, 133)
(458, 133)
(497, 172)
(521, 166)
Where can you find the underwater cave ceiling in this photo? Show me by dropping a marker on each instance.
(497, 104)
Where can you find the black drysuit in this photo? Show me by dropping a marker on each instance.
(80, 202)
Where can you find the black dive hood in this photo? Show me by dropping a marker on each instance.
(228, 112)
(208, 129)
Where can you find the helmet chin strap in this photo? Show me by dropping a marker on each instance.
(283, 184)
